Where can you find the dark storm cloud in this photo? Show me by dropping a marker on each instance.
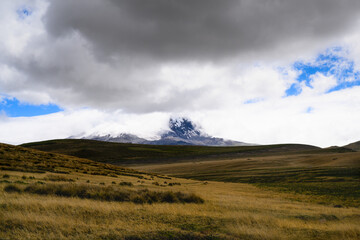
(110, 54)
(170, 30)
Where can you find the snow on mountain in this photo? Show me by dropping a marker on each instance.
(183, 128)
(121, 138)
(182, 131)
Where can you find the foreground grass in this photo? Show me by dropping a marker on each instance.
(109, 193)
(58, 197)
(230, 211)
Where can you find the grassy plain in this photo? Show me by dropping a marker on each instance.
(133, 154)
(323, 178)
(231, 210)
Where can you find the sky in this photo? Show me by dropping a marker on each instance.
(265, 72)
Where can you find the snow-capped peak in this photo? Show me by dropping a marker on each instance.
(183, 128)
(182, 132)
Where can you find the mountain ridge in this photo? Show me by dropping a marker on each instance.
(354, 146)
(182, 131)
(130, 154)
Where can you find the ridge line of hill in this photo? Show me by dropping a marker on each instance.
(132, 154)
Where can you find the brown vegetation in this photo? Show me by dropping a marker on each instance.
(327, 178)
(109, 193)
(47, 205)
(132, 154)
(230, 211)
(21, 159)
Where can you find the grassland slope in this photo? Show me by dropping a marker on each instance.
(54, 196)
(354, 146)
(129, 154)
(16, 158)
(330, 177)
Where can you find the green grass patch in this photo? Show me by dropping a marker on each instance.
(337, 193)
(328, 185)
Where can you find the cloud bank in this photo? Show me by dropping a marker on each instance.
(227, 64)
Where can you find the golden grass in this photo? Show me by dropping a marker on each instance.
(263, 162)
(230, 211)
(322, 178)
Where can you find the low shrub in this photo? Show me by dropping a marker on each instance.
(146, 196)
(12, 188)
(163, 177)
(21, 182)
(58, 178)
(58, 171)
(174, 183)
(6, 176)
(109, 193)
(129, 184)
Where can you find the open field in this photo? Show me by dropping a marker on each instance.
(329, 176)
(228, 210)
(326, 178)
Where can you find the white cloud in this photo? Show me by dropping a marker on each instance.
(82, 122)
(333, 120)
(351, 42)
(17, 32)
(75, 56)
(134, 74)
(320, 84)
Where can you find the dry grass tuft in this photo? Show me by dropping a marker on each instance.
(43, 207)
(58, 178)
(109, 193)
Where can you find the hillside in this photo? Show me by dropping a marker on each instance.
(53, 196)
(281, 168)
(15, 158)
(354, 146)
(129, 154)
(329, 176)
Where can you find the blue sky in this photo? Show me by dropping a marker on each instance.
(12, 107)
(24, 12)
(331, 62)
